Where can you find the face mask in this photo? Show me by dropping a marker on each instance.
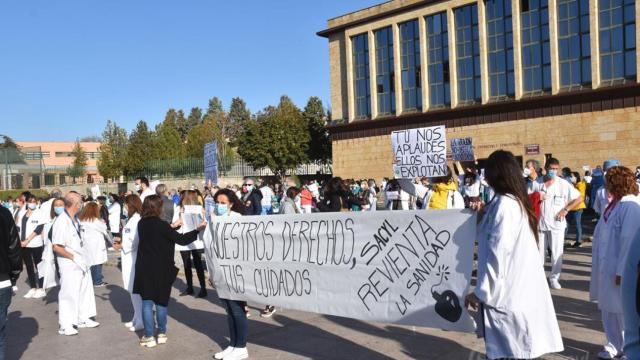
(552, 174)
(137, 187)
(31, 206)
(58, 210)
(7, 206)
(574, 180)
(526, 172)
(221, 209)
(249, 188)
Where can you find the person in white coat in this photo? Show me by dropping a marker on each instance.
(32, 247)
(191, 254)
(611, 242)
(558, 197)
(630, 288)
(517, 317)
(142, 187)
(47, 268)
(76, 301)
(94, 234)
(128, 246)
(115, 213)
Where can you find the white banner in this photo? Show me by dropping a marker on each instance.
(404, 267)
(419, 152)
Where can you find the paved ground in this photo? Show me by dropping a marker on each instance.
(197, 329)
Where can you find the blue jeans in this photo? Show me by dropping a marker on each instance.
(577, 219)
(148, 321)
(96, 274)
(5, 301)
(237, 320)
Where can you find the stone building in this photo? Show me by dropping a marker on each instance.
(539, 78)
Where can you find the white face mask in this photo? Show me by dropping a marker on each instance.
(137, 187)
(526, 172)
(32, 206)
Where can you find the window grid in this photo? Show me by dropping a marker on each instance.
(536, 58)
(617, 41)
(410, 64)
(438, 60)
(500, 49)
(468, 55)
(361, 84)
(385, 75)
(574, 44)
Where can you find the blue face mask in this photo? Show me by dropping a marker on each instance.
(221, 209)
(7, 206)
(31, 206)
(552, 174)
(58, 210)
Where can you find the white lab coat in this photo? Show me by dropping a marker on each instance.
(611, 242)
(76, 301)
(630, 291)
(129, 252)
(32, 223)
(115, 211)
(601, 201)
(47, 266)
(94, 234)
(518, 314)
(146, 192)
(454, 199)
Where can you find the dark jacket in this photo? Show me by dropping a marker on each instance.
(167, 210)
(253, 204)
(336, 202)
(10, 260)
(155, 269)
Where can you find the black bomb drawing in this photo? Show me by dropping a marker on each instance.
(447, 302)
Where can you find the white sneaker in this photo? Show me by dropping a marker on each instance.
(87, 324)
(136, 328)
(223, 353)
(15, 289)
(237, 354)
(29, 294)
(128, 324)
(39, 294)
(68, 332)
(555, 284)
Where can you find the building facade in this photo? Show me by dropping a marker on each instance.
(539, 78)
(47, 163)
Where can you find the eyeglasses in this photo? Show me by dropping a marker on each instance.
(247, 184)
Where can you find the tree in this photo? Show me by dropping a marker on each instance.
(195, 118)
(138, 150)
(215, 106)
(167, 143)
(91, 138)
(112, 150)
(171, 118)
(10, 151)
(77, 168)
(182, 125)
(278, 140)
(320, 142)
(238, 117)
(201, 135)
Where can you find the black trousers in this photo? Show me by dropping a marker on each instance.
(31, 258)
(197, 262)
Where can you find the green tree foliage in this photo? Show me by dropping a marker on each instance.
(112, 150)
(277, 140)
(167, 143)
(238, 116)
(202, 134)
(215, 107)
(170, 118)
(77, 168)
(139, 149)
(320, 142)
(10, 151)
(182, 126)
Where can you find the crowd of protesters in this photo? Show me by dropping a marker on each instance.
(524, 212)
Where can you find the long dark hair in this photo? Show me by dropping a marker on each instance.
(237, 205)
(504, 175)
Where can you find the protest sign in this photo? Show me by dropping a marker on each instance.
(191, 218)
(405, 267)
(211, 163)
(419, 152)
(95, 191)
(462, 149)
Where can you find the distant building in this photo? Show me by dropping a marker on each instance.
(47, 163)
(538, 78)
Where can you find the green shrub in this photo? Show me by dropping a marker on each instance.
(5, 194)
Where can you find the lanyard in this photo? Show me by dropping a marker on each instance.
(609, 210)
(76, 226)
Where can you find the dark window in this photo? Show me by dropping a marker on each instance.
(574, 43)
(438, 60)
(410, 61)
(361, 84)
(468, 53)
(385, 76)
(536, 58)
(500, 49)
(617, 19)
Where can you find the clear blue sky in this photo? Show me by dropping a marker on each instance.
(68, 66)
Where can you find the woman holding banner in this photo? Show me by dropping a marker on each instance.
(228, 204)
(517, 318)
